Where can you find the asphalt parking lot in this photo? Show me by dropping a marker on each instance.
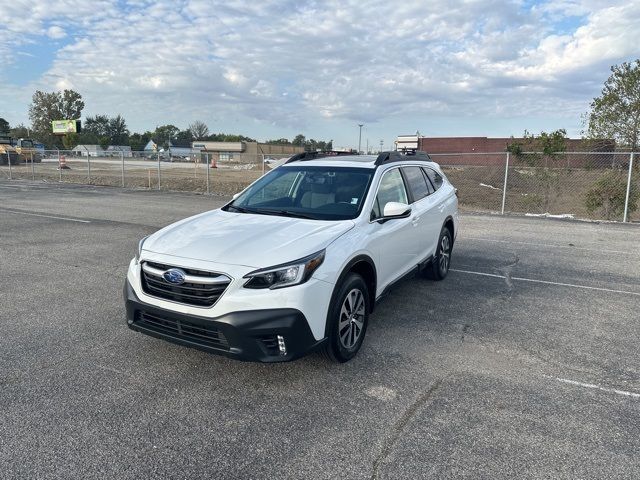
(522, 363)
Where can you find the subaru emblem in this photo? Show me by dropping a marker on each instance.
(174, 276)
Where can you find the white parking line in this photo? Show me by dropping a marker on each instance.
(554, 245)
(45, 216)
(547, 282)
(597, 387)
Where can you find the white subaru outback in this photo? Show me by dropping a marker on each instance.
(298, 260)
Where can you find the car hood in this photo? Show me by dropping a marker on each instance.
(251, 240)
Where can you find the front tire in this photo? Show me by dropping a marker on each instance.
(347, 319)
(439, 268)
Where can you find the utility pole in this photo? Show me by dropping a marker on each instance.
(360, 136)
(367, 146)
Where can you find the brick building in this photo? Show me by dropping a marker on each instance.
(491, 151)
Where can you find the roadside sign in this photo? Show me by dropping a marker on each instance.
(62, 127)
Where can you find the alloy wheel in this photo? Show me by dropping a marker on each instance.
(445, 252)
(351, 318)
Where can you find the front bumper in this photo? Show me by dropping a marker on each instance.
(245, 335)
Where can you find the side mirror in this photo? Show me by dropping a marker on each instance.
(236, 195)
(396, 210)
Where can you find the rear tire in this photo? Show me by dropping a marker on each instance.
(439, 267)
(347, 319)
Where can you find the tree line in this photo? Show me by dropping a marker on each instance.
(104, 130)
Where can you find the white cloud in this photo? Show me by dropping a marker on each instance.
(287, 62)
(56, 32)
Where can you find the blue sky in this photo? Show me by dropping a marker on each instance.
(273, 69)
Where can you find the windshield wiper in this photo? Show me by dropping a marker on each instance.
(266, 211)
(249, 210)
(289, 213)
(238, 209)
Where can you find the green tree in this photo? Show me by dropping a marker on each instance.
(98, 125)
(616, 112)
(104, 142)
(87, 138)
(542, 153)
(279, 141)
(109, 131)
(539, 147)
(19, 131)
(137, 141)
(70, 141)
(70, 105)
(118, 132)
(199, 130)
(299, 140)
(608, 195)
(4, 126)
(165, 133)
(48, 106)
(184, 136)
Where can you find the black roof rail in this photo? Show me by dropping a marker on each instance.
(304, 156)
(404, 154)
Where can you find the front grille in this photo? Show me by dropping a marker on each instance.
(201, 334)
(202, 289)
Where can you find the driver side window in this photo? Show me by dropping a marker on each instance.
(391, 189)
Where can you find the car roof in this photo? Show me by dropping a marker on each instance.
(357, 161)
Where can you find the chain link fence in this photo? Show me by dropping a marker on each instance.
(588, 185)
(193, 172)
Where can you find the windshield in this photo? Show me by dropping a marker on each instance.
(26, 143)
(319, 193)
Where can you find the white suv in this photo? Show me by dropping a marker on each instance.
(298, 260)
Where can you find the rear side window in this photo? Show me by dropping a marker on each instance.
(417, 182)
(435, 177)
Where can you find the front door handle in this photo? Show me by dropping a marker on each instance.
(415, 221)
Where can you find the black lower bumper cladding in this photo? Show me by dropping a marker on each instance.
(247, 335)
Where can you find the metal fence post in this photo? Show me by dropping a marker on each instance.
(59, 167)
(9, 161)
(158, 171)
(206, 156)
(626, 200)
(504, 187)
(88, 168)
(33, 170)
(122, 160)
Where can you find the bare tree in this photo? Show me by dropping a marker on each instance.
(199, 130)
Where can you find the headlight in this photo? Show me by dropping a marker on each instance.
(285, 275)
(139, 251)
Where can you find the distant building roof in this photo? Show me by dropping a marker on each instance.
(87, 148)
(118, 148)
(219, 146)
(151, 145)
(180, 144)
